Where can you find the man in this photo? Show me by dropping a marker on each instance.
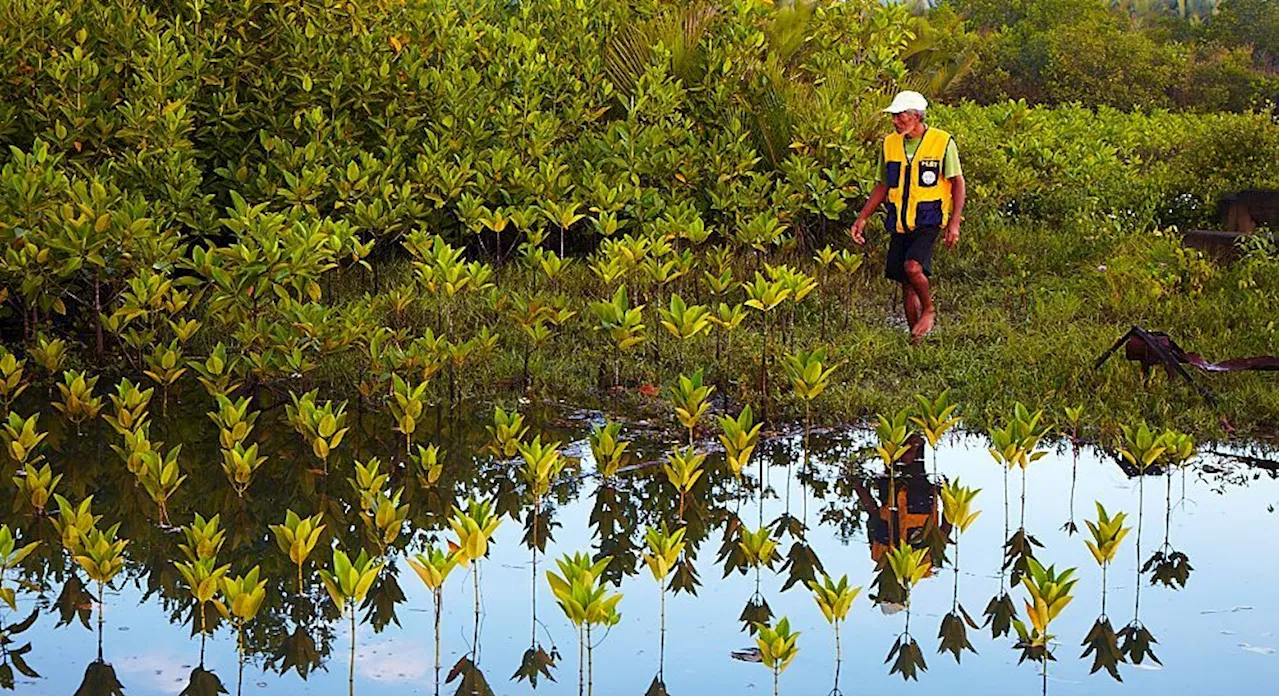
(920, 178)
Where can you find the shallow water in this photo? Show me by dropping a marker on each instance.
(1217, 634)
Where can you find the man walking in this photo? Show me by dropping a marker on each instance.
(920, 178)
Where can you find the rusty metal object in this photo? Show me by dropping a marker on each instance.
(1152, 348)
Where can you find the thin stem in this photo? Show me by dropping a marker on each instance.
(590, 677)
(837, 684)
(662, 627)
(581, 662)
(1137, 545)
(1022, 513)
(100, 606)
(240, 656)
(1168, 502)
(955, 588)
(1104, 588)
(439, 600)
(351, 673)
(475, 635)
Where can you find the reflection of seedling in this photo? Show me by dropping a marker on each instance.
(1073, 414)
(1167, 565)
(474, 528)
(664, 549)
(433, 569)
(1107, 534)
(956, 503)
(297, 537)
(607, 447)
(739, 439)
(1143, 449)
(778, 648)
(834, 600)
(1017, 445)
(101, 554)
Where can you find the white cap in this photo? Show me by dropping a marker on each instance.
(907, 101)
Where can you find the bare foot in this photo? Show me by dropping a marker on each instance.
(922, 327)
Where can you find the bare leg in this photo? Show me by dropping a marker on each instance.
(910, 305)
(920, 283)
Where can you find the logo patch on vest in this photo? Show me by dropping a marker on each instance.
(929, 170)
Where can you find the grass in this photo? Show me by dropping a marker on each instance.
(1014, 324)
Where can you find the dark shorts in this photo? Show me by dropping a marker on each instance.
(915, 245)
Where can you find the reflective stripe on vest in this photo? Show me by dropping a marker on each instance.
(919, 194)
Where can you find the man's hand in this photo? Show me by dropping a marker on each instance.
(952, 234)
(856, 230)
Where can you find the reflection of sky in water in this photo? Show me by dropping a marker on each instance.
(1216, 636)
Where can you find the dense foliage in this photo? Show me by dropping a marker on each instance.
(321, 189)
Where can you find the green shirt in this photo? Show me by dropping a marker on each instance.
(950, 161)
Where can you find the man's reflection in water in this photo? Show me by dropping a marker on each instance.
(915, 518)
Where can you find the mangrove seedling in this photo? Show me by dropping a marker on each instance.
(1143, 448)
(101, 554)
(739, 438)
(235, 420)
(474, 528)
(685, 321)
(348, 584)
(664, 549)
(1049, 592)
(79, 404)
(74, 522)
(22, 439)
(203, 578)
(957, 501)
(1074, 415)
(241, 598)
(778, 647)
(1167, 565)
(607, 447)
(129, 406)
(407, 405)
(759, 548)
(689, 397)
(297, 537)
(11, 554)
(505, 434)
(683, 469)
(203, 537)
(834, 600)
(586, 601)
(764, 296)
(623, 323)
(934, 418)
(429, 464)
(1017, 444)
(216, 372)
(240, 464)
(542, 464)
(1107, 534)
(36, 485)
(909, 566)
(12, 380)
(161, 478)
(321, 426)
(433, 568)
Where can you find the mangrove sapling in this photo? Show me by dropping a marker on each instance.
(166, 367)
(758, 550)
(474, 528)
(348, 584)
(778, 647)
(1017, 445)
(216, 373)
(297, 537)
(433, 568)
(99, 552)
(161, 479)
(909, 566)
(428, 464)
(690, 399)
(956, 503)
(1049, 592)
(11, 554)
(834, 600)
(542, 464)
(1167, 565)
(241, 598)
(506, 433)
(727, 319)
(12, 379)
(586, 602)
(891, 436)
(664, 549)
(1073, 414)
(203, 539)
(684, 322)
(684, 468)
(1143, 449)
(825, 257)
(129, 406)
(934, 418)
(23, 439)
(810, 376)
(1107, 534)
(739, 438)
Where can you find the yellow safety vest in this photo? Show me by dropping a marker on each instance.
(919, 195)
